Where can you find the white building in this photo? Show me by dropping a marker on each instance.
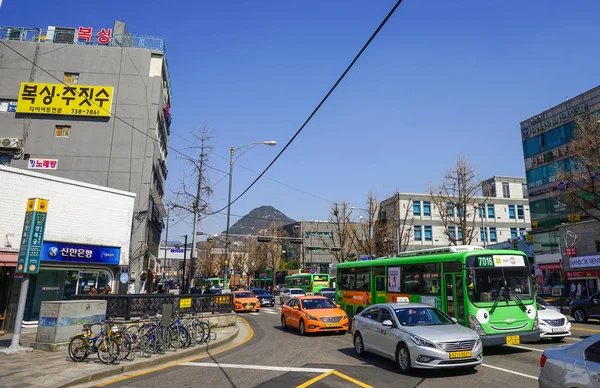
(503, 215)
(86, 240)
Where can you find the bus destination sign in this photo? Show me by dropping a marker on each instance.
(500, 261)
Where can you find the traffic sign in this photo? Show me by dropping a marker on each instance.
(312, 271)
(124, 269)
(32, 236)
(124, 278)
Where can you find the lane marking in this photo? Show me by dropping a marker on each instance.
(573, 339)
(509, 371)
(526, 348)
(315, 379)
(255, 313)
(352, 380)
(588, 330)
(250, 332)
(260, 367)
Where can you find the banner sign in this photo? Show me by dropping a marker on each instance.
(584, 261)
(33, 234)
(394, 280)
(78, 253)
(68, 100)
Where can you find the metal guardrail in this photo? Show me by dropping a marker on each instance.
(138, 305)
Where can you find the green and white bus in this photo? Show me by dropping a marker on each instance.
(489, 291)
(307, 281)
(216, 282)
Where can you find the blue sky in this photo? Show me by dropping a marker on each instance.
(442, 78)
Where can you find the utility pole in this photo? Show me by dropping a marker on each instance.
(196, 208)
(166, 242)
(183, 290)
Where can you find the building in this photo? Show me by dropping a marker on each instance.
(91, 105)
(85, 245)
(502, 215)
(315, 245)
(566, 243)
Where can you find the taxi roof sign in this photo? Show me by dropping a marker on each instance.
(401, 299)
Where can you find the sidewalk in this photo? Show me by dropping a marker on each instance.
(55, 369)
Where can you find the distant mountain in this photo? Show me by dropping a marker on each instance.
(258, 219)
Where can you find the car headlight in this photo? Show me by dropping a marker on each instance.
(475, 325)
(478, 342)
(344, 317)
(311, 318)
(422, 341)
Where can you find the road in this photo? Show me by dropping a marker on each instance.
(273, 358)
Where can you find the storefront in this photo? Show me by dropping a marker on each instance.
(8, 263)
(549, 280)
(69, 269)
(583, 275)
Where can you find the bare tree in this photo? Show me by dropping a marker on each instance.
(241, 258)
(579, 185)
(341, 242)
(257, 258)
(364, 233)
(195, 188)
(456, 202)
(394, 229)
(274, 250)
(209, 264)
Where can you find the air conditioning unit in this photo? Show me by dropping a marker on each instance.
(10, 143)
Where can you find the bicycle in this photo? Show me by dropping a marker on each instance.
(106, 345)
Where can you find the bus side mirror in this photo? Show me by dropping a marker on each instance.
(338, 306)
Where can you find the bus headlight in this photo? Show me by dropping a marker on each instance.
(475, 325)
(536, 323)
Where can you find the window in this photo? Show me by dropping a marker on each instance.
(493, 237)
(520, 212)
(417, 208)
(427, 208)
(363, 281)
(428, 236)
(505, 190)
(386, 316)
(450, 208)
(522, 231)
(411, 279)
(488, 189)
(355, 281)
(482, 234)
(459, 232)
(511, 212)
(452, 232)
(524, 187)
(71, 78)
(592, 353)
(418, 233)
(513, 233)
(372, 313)
(491, 212)
(62, 131)
(431, 279)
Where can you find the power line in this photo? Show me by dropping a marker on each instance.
(375, 33)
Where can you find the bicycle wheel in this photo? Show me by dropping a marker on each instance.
(184, 337)
(198, 332)
(108, 350)
(79, 348)
(126, 344)
(206, 328)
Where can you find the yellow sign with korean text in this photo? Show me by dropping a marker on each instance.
(185, 303)
(66, 100)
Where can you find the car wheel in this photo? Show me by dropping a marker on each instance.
(403, 358)
(558, 339)
(284, 325)
(359, 345)
(580, 315)
(302, 328)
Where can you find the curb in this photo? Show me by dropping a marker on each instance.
(152, 362)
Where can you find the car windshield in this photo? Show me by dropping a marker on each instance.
(260, 292)
(317, 303)
(485, 284)
(244, 295)
(422, 316)
(297, 292)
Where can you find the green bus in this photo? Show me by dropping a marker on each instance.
(307, 281)
(489, 291)
(216, 282)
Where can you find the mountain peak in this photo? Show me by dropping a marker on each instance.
(259, 218)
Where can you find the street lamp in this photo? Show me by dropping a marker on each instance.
(370, 222)
(184, 259)
(232, 152)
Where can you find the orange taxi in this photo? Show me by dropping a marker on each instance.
(245, 301)
(312, 314)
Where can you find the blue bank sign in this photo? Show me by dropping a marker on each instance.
(77, 253)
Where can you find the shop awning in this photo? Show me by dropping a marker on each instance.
(8, 259)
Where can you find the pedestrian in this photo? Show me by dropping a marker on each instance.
(106, 290)
(93, 291)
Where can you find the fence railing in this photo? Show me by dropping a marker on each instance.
(138, 305)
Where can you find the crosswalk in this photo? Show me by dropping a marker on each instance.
(268, 310)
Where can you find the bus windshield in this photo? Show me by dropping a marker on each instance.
(485, 283)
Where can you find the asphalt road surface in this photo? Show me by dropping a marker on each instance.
(265, 356)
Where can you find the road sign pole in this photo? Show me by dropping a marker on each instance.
(15, 346)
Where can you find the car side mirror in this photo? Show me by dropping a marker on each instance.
(338, 306)
(296, 308)
(454, 319)
(387, 323)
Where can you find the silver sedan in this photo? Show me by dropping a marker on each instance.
(576, 365)
(415, 336)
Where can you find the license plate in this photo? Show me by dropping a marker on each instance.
(557, 330)
(464, 354)
(513, 340)
(331, 324)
